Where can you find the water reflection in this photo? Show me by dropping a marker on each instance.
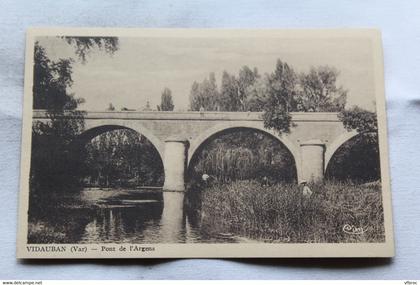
(123, 216)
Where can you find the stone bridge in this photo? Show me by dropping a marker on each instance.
(177, 136)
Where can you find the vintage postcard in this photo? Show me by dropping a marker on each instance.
(176, 143)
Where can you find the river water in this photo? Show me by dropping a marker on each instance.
(120, 216)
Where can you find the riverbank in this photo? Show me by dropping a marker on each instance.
(335, 213)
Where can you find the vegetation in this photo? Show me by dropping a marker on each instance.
(244, 154)
(252, 191)
(205, 95)
(279, 213)
(277, 94)
(166, 101)
(54, 166)
(122, 158)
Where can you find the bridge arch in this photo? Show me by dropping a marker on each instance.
(92, 131)
(336, 144)
(196, 143)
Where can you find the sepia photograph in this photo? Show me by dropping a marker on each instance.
(144, 143)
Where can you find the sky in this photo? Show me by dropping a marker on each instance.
(143, 66)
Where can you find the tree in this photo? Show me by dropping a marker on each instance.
(234, 91)
(257, 94)
(280, 98)
(52, 166)
(285, 92)
(357, 159)
(363, 121)
(205, 94)
(84, 45)
(55, 165)
(229, 93)
(51, 80)
(246, 79)
(110, 107)
(166, 100)
(319, 91)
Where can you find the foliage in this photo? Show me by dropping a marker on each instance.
(276, 94)
(357, 159)
(52, 166)
(205, 94)
(244, 154)
(363, 121)
(166, 100)
(122, 158)
(55, 166)
(110, 107)
(280, 98)
(279, 213)
(84, 45)
(51, 80)
(234, 90)
(319, 91)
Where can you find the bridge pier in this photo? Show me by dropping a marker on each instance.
(312, 164)
(174, 163)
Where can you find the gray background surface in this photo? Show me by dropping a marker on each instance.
(400, 25)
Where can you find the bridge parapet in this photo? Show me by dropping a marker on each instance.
(192, 115)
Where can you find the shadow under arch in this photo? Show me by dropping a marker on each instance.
(86, 136)
(92, 132)
(336, 144)
(361, 157)
(202, 141)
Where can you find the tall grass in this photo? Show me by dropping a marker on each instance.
(279, 213)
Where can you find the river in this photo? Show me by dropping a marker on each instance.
(119, 216)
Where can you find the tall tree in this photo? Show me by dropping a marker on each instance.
(246, 79)
(166, 103)
(281, 98)
(235, 91)
(258, 94)
(205, 95)
(229, 93)
(53, 167)
(319, 91)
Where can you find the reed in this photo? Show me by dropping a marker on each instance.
(279, 213)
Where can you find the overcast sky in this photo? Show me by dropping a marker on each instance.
(142, 67)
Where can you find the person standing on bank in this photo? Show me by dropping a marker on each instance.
(306, 194)
(306, 191)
